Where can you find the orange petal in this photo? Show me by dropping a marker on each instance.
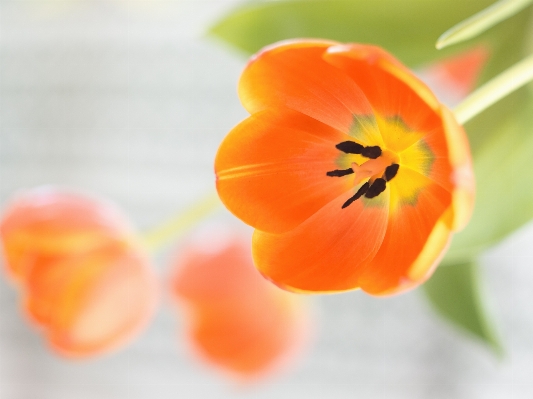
(463, 174)
(93, 302)
(271, 169)
(48, 222)
(43, 285)
(414, 241)
(294, 75)
(328, 251)
(238, 321)
(236, 338)
(391, 89)
(409, 114)
(224, 270)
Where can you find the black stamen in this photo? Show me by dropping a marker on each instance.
(391, 171)
(350, 147)
(371, 152)
(376, 188)
(363, 189)
(340, 172)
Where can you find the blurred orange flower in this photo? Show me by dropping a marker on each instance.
(351, 171)
(84, 278)
(236, 320)
(456, 76)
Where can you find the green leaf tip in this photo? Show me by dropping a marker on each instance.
(454, 291)
(508, 81)
(481, 21)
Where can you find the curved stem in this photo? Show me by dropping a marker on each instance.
(505, 83)
(181, 223)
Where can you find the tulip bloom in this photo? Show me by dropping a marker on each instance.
(351, 171)
(236, 320)
(84, 279)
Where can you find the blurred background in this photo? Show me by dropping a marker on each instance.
(130, 99)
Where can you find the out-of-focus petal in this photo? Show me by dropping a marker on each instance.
(460, 72)
(237, 320)
(110, 300)
(279, 179)
(42, 222)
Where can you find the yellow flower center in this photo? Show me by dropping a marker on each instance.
(374, 166)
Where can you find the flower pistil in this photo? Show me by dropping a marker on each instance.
(377, 171)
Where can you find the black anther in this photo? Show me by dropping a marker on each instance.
(371, 152)
(350, 147)
(340, 172)
(376, 188)
(363, 189)
(391, 171)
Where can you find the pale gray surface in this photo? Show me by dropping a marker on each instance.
(124, 98)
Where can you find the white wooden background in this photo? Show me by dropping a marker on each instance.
(128, 99)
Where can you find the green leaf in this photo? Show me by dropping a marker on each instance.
(481, 21)
(502, 165)
(407, 28)
(454, 291)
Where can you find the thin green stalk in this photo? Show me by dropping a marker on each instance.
(181, 223)
(481, 21)
(505, 83)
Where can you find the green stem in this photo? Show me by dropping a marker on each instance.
(181, 223)
(480, 22)
(505, 83)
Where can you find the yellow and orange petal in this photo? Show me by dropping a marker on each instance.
(277, 183)
(84, 280)
(323, 222)
(236, 320)
(292, 74)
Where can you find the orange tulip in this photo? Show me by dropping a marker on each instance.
(351, 171)
(84, 279)
(236, 320)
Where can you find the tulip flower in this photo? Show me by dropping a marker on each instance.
(352, 172)
(84, 279)
(236, 320)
